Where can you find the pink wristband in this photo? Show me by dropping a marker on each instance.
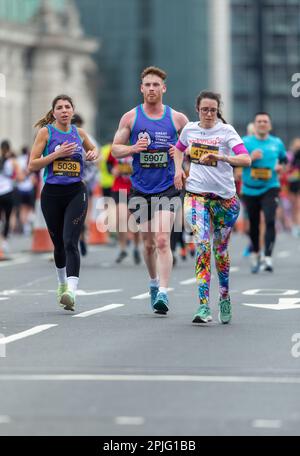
(240, 149)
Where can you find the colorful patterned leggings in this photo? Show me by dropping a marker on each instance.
(205, 213)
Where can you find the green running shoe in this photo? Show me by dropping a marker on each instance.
(225, 311)
(68, 300)
(203, 314)
(62, 288)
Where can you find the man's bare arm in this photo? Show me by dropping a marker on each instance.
(180, 120)
(120, 147)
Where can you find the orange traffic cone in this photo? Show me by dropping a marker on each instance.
(41, 241)
(96, 234)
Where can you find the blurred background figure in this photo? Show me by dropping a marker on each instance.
(91, 179)
(25, 196)
(9, 174)
(293, 177)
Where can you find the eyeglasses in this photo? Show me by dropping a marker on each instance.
(207, 110)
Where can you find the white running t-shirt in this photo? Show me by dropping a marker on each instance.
(217, 177)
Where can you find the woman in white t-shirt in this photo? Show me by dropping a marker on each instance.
(210, 198)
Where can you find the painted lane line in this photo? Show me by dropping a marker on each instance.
(129, 420)
(284, 254)
(188, 281)
(98, 292)
(98, 310)
(146, 295)
(16, 261)
(23, 334)
(283, 304)
(150, 378)
(5, 419)
(267, 424)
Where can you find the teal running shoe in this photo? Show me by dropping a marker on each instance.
(160, 305)
(68, 300)
(153, 294)
(62, 288)
(203, 314)
(225, 314)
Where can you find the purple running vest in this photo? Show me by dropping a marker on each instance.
(63, 171)
(153, 169)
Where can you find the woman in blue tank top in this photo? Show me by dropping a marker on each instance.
(59, 148)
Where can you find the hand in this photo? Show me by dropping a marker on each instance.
(66, 149)
(209, 158)
(139, 146)
(256, 154)
(179, 178)
(91, 155)
(172, 150)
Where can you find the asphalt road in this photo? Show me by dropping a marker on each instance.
(122, 370)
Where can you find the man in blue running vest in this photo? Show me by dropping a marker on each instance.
(149, 129)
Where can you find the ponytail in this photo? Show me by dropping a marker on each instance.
(47, 119)
(219, 115)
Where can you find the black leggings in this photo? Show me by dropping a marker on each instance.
(6, 206)
(64, 208)
(267, 202)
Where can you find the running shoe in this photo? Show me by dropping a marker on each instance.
(267, 265)
(225, 311)
(153, 295)
(183, 253)
(62, 288)
(136, 256)
(255, 263)
(68, 300)
(160, 305)
(203, 314)
(122, 255)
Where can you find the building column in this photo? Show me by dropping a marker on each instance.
(220, 52)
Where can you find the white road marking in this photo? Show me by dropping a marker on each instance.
(283, 254)
(267, 424)
(4, 299)
(283, 304)
(5, 419)
(129, 420)
(146, 295)
(23, 334)
(14, 262)
(234, 269)
(98, 310)
(268, 292)
(188, 281)
(149, 378)
(98, 292)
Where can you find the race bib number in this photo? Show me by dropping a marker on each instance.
(261, 173)
(199, 151)
(125, 169)
(154, 159)
(66, 167)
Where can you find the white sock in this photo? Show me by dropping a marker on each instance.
(61, 275)
(154, 282)
(72, 283)
(163, 290)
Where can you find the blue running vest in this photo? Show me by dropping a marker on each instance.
(67, 170)
(153, 169)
